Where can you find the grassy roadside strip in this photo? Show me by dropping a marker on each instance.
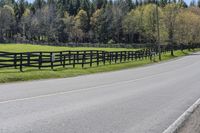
(13, 75)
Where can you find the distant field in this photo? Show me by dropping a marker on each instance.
(31, 48)
(13, 75)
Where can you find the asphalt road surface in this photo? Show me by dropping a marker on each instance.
(141, 100)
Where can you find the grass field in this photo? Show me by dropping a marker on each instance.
(11, 75)
(32, 48)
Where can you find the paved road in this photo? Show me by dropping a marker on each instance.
(141, 100)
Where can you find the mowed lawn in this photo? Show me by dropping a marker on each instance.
(33, 48)
(12, 75)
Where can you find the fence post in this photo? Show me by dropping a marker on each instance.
(151, 55)
(69, 57)
(61, 61)
(136, 55)
(145, 53)
(21, 62)
(51, 58)
(64, 60)
(124, 55)
(28, 58)
(91, 58)
(104, 57)
(132, 55)
(97, 58)
(40, 60)
(110, 58)
(116, 57)
(83, 58)
(15, 61)
(140, 55)
(77, 55)
(120, 56)
(74, 60)
(128, 55)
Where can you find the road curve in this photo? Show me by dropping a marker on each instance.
(141, 100)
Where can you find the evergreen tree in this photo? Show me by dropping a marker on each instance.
(81, 20)
(193, 3)
(198, 3)
(38, 4)
(61, 4)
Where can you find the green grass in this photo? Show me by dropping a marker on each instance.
(12, 75)
(32, 48)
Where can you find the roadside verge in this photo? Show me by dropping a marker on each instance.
(188, 122)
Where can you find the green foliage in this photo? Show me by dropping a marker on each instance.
(111, 42)
(98, 21)
(82, 20)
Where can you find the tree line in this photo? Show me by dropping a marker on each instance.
(100, 21)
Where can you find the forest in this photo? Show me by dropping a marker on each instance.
(100, 21)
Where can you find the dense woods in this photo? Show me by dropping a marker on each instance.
(99, 21)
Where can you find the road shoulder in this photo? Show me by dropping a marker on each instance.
(188, 122)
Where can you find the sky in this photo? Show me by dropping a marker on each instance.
(187, 1)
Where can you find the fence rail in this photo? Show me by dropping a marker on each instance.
(87, 58)
(68, 58)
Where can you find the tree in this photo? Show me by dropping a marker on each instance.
(198, 3)
(133, 25)
(117, 29)
(6, 22)
(193, 3)
(163, 3)
(169, 18)
(85, 5)
(51, 21)
(75, 33)
(38, 4)
(19, 9)
(25, 23)
(68, 22)
(187, 29)
(182, 3)
(82, 21)
(96, 24)
(61, 4)
(117, 21)
(150, 22)
(99, 3)
(107, 24)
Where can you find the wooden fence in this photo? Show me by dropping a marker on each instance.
(87, 58)
(68, 58)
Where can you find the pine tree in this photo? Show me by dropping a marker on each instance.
(61, 8)
(193, 3)
(198, 3)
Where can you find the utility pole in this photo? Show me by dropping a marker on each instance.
(158, 31)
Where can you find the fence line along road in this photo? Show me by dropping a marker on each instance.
(71, 58)
(67, 58)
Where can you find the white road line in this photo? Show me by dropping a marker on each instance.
(80, 90)
(142, 67)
